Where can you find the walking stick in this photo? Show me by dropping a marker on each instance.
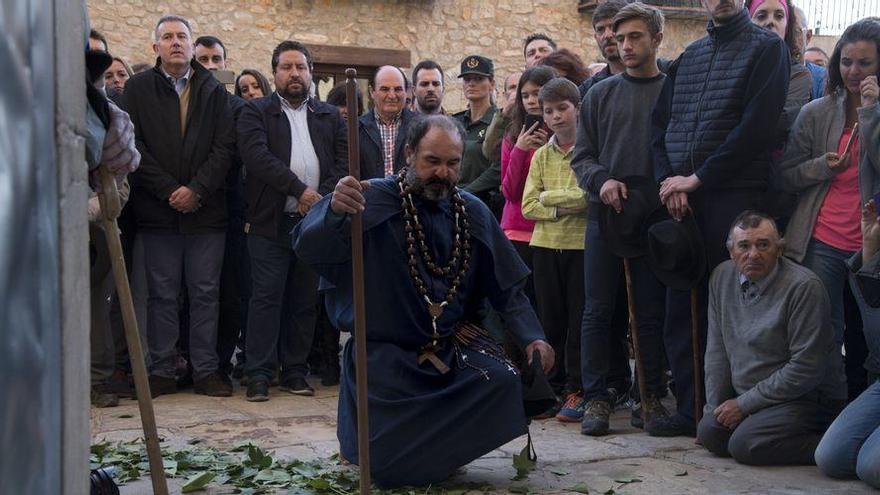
(637, 350)
(357, 269)
(698, 375)
(110, 209)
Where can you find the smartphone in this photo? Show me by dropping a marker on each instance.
(531, 119)
(852, 137)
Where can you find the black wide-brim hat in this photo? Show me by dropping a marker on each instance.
(538, 395)
(676, 253)
(624, 232)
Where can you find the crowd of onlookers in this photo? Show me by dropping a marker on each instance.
(714, 211)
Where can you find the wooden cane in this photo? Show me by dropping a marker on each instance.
(698, 375)
(110, 210)
(637, 350)
(357, 268)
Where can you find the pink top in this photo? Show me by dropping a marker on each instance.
(514, 171)
(839, 222)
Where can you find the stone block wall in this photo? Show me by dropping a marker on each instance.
(444, 30)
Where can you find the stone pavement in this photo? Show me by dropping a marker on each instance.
(304, 427)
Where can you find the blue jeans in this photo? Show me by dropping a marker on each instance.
(602, 271)
(871, 325)
(829, 264)
(851, 446)
(283, 310)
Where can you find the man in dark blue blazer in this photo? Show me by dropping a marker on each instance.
(294, 150)
(383, 129)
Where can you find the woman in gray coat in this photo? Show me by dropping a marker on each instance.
(833, 169)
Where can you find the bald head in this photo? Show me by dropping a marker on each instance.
(388, 92)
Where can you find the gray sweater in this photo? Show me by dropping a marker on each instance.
(775, 347)
(614, 131)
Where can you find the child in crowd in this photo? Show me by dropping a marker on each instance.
(552, 199)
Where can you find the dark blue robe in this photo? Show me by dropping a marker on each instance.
(423, 424)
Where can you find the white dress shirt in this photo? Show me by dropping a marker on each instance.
(303, 159)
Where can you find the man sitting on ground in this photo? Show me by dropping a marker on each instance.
(772, 383)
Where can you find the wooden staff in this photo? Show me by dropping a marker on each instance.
(637, 350)
(357, 268)
(110, 209)
(698, 375)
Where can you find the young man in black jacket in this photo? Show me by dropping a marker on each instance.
(184, 132)
(294, 149)
(714, 127)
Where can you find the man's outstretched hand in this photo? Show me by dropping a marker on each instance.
(548, 357)
(348, 196)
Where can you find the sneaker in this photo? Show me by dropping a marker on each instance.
(596, 416)
(101, 397)
(655, 410)
(257, 391)
(671, 426)
(213, 385)
(619, 398)
(573, 409)
(296, 385)
(161, 385)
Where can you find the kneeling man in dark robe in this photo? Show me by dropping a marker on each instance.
(441, 391)
(774, 381)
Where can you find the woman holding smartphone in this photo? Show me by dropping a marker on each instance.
(523, 136)
(834, 164)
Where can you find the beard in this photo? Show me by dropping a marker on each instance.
(433, 189)
(428, 106)
(292, 94)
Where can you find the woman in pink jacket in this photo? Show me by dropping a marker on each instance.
(517, 148)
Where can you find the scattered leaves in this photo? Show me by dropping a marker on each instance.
(197, 482)
(523, 464)
(580, 488)
(250, 470)
(681, 473)
(559, 472)
(126, 416)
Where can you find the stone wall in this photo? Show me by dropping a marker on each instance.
(444, 30)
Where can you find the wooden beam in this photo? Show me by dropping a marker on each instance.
(348, 55)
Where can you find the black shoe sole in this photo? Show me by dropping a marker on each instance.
(257, 398)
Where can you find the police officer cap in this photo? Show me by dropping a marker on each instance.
(477, 64)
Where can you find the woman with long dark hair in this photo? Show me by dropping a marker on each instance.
(252, 84)
(567, 64)
(832, 161)
(517, 148)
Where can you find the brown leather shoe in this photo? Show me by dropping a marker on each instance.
(160, 385)
(213, 385)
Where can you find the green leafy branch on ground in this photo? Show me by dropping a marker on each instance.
(250, 469)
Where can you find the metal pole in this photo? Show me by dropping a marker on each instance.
(110, 209)
(357, 268)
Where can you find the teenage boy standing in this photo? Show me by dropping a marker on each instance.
(602, 158)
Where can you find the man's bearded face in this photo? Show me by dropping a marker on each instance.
(435, 164)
